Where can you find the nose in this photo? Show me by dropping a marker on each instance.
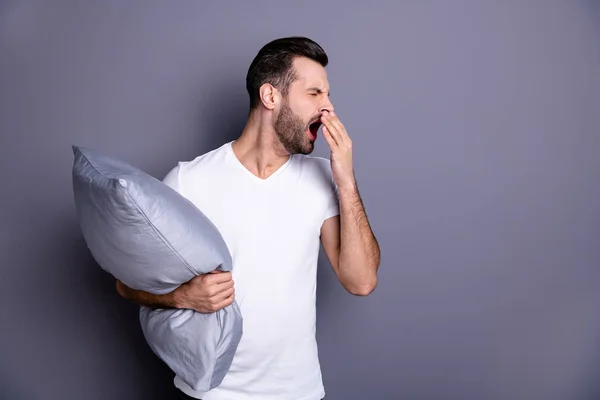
(326, 106)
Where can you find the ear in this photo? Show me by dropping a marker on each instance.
(269, 96)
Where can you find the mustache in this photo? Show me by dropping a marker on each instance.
(317, 118)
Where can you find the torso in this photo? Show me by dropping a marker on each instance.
(272, 229)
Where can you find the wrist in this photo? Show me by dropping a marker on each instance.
(348, 187)
(178, 297)
(346, 182)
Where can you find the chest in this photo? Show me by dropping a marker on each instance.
(268, 217)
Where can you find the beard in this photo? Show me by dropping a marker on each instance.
(291, 131)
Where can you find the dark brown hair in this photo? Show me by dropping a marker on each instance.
(273, 64)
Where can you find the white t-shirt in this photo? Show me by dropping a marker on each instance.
(272, 228)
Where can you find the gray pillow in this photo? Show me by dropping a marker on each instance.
(151, 238)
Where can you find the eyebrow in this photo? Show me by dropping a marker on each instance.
(318, 90)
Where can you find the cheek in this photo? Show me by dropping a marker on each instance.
(304, 107)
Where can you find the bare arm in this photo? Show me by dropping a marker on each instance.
(351, 246)
(204, 293)
(348, 239)
(169, 300)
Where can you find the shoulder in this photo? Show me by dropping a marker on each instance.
(209, 159)
(319, 186)
(318, 166)
(184, 171)
(316, 172)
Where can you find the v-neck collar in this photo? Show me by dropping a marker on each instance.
(245, 170)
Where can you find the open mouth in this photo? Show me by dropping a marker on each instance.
(314, 128)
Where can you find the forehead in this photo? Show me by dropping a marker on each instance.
(310, 74)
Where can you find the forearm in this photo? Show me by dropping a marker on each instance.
(169, 300)
(359, 250)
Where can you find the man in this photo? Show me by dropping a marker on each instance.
(272, 203)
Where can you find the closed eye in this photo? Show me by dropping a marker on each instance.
(316, 91)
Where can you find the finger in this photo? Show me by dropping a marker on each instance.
(331, 129)
(328, 138)
(226, 302)
(336, 128)
(215, 294)
(219, 289)
(339, 126)
(221, 296)
(221, 277)
(225, 285)
(220, 286)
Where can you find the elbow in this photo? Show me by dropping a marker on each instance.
(364, 288)
(121, 289)
(361, 283)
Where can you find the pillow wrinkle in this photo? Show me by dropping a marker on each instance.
(124, 214)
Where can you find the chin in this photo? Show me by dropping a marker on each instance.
(307, 148)
(304, 150)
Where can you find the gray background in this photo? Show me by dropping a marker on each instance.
(476, 132)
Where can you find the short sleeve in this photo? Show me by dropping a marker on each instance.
(172, 179)
(333, 206)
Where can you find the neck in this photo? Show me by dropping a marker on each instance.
(258, 147)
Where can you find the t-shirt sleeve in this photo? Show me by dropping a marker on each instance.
(172, 178)
(333, 206)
